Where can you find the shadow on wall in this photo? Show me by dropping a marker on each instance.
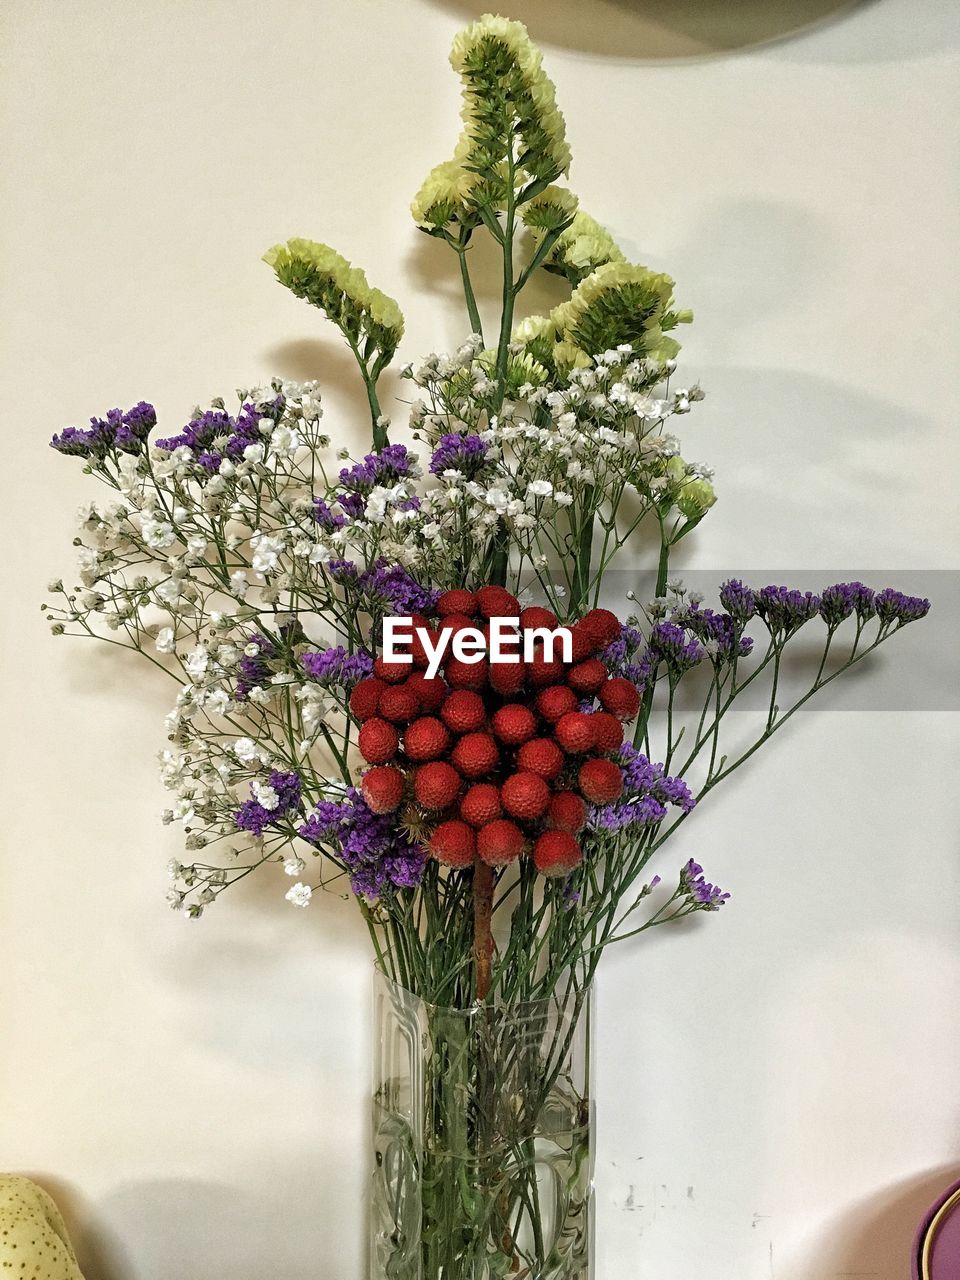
(666, 30)
(174, 1228)
(876, 1237)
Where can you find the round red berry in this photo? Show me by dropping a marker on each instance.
(365, 698)
(382, 788)
(601, 781)
(457, 601)
(514, 724)
(499, 842)
(453, 843)
(567, 812)
(543, 671)
(418, 648)
(436, 785)
(463, 711)
(481, 804)
(620, 698)
(587, 677)
(556, 853)
(426, 739)
(525, 795)
(581, 643)
(602, 625)
(377, 741)
(608, 730)
(497, 602)
(575, 733)
(391, 672)
(455, 622)
(398, 703)
(556, 701)
(507, 677)
(466, 675)
(430, 692)
(541, 756)
(535, 616)
(475, 755)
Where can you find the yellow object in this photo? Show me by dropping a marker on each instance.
(33, 1240)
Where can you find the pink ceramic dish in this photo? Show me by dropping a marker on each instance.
(936, 1250)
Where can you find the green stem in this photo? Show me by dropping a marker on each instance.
(581, 572)
(471, 299)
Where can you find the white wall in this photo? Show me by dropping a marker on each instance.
(779, 1087)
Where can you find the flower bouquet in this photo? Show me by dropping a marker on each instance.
(400, 674)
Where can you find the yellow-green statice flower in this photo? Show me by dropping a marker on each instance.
(444, 196)
(689, 489)
(551, 209)
(581, 248)
(621, 304)
(513, 143)
(325, 279)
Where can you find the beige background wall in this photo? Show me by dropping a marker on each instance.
(779, 1088)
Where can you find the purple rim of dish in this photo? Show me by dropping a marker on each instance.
(925, 1227)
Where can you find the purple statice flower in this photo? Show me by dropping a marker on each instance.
(389, 587)
(74, 441)
(254, 669)
(394, 462)
(721, 633)
(246, 431)
(618, 655)
(199, 436)
(894, 606)
(670, 645)
(701, 895)
(337, 667)
(343, 571)
(785, 610)
(739, 601)
(134, 427)
(354, 504)
(373, 847)
(647, 791)
(254, 815)
(458, 452)
(844, 598)
(326, 518)
(126, 431)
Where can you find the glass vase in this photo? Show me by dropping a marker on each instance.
(483, 1139)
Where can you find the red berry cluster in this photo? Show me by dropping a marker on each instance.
(497, 755)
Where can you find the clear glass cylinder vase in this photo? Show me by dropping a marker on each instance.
(483, 1139)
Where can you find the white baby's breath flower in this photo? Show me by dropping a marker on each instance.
(169, 591)
(299, 895)
(183, 810)
(265, 795)
(294, 865)
(245, 749)
(166, 641)
(197, 662)
(238, 583)
(157, 534)
(217, 702)
(266, 553)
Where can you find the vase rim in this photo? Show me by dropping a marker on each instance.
(551, 1001)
